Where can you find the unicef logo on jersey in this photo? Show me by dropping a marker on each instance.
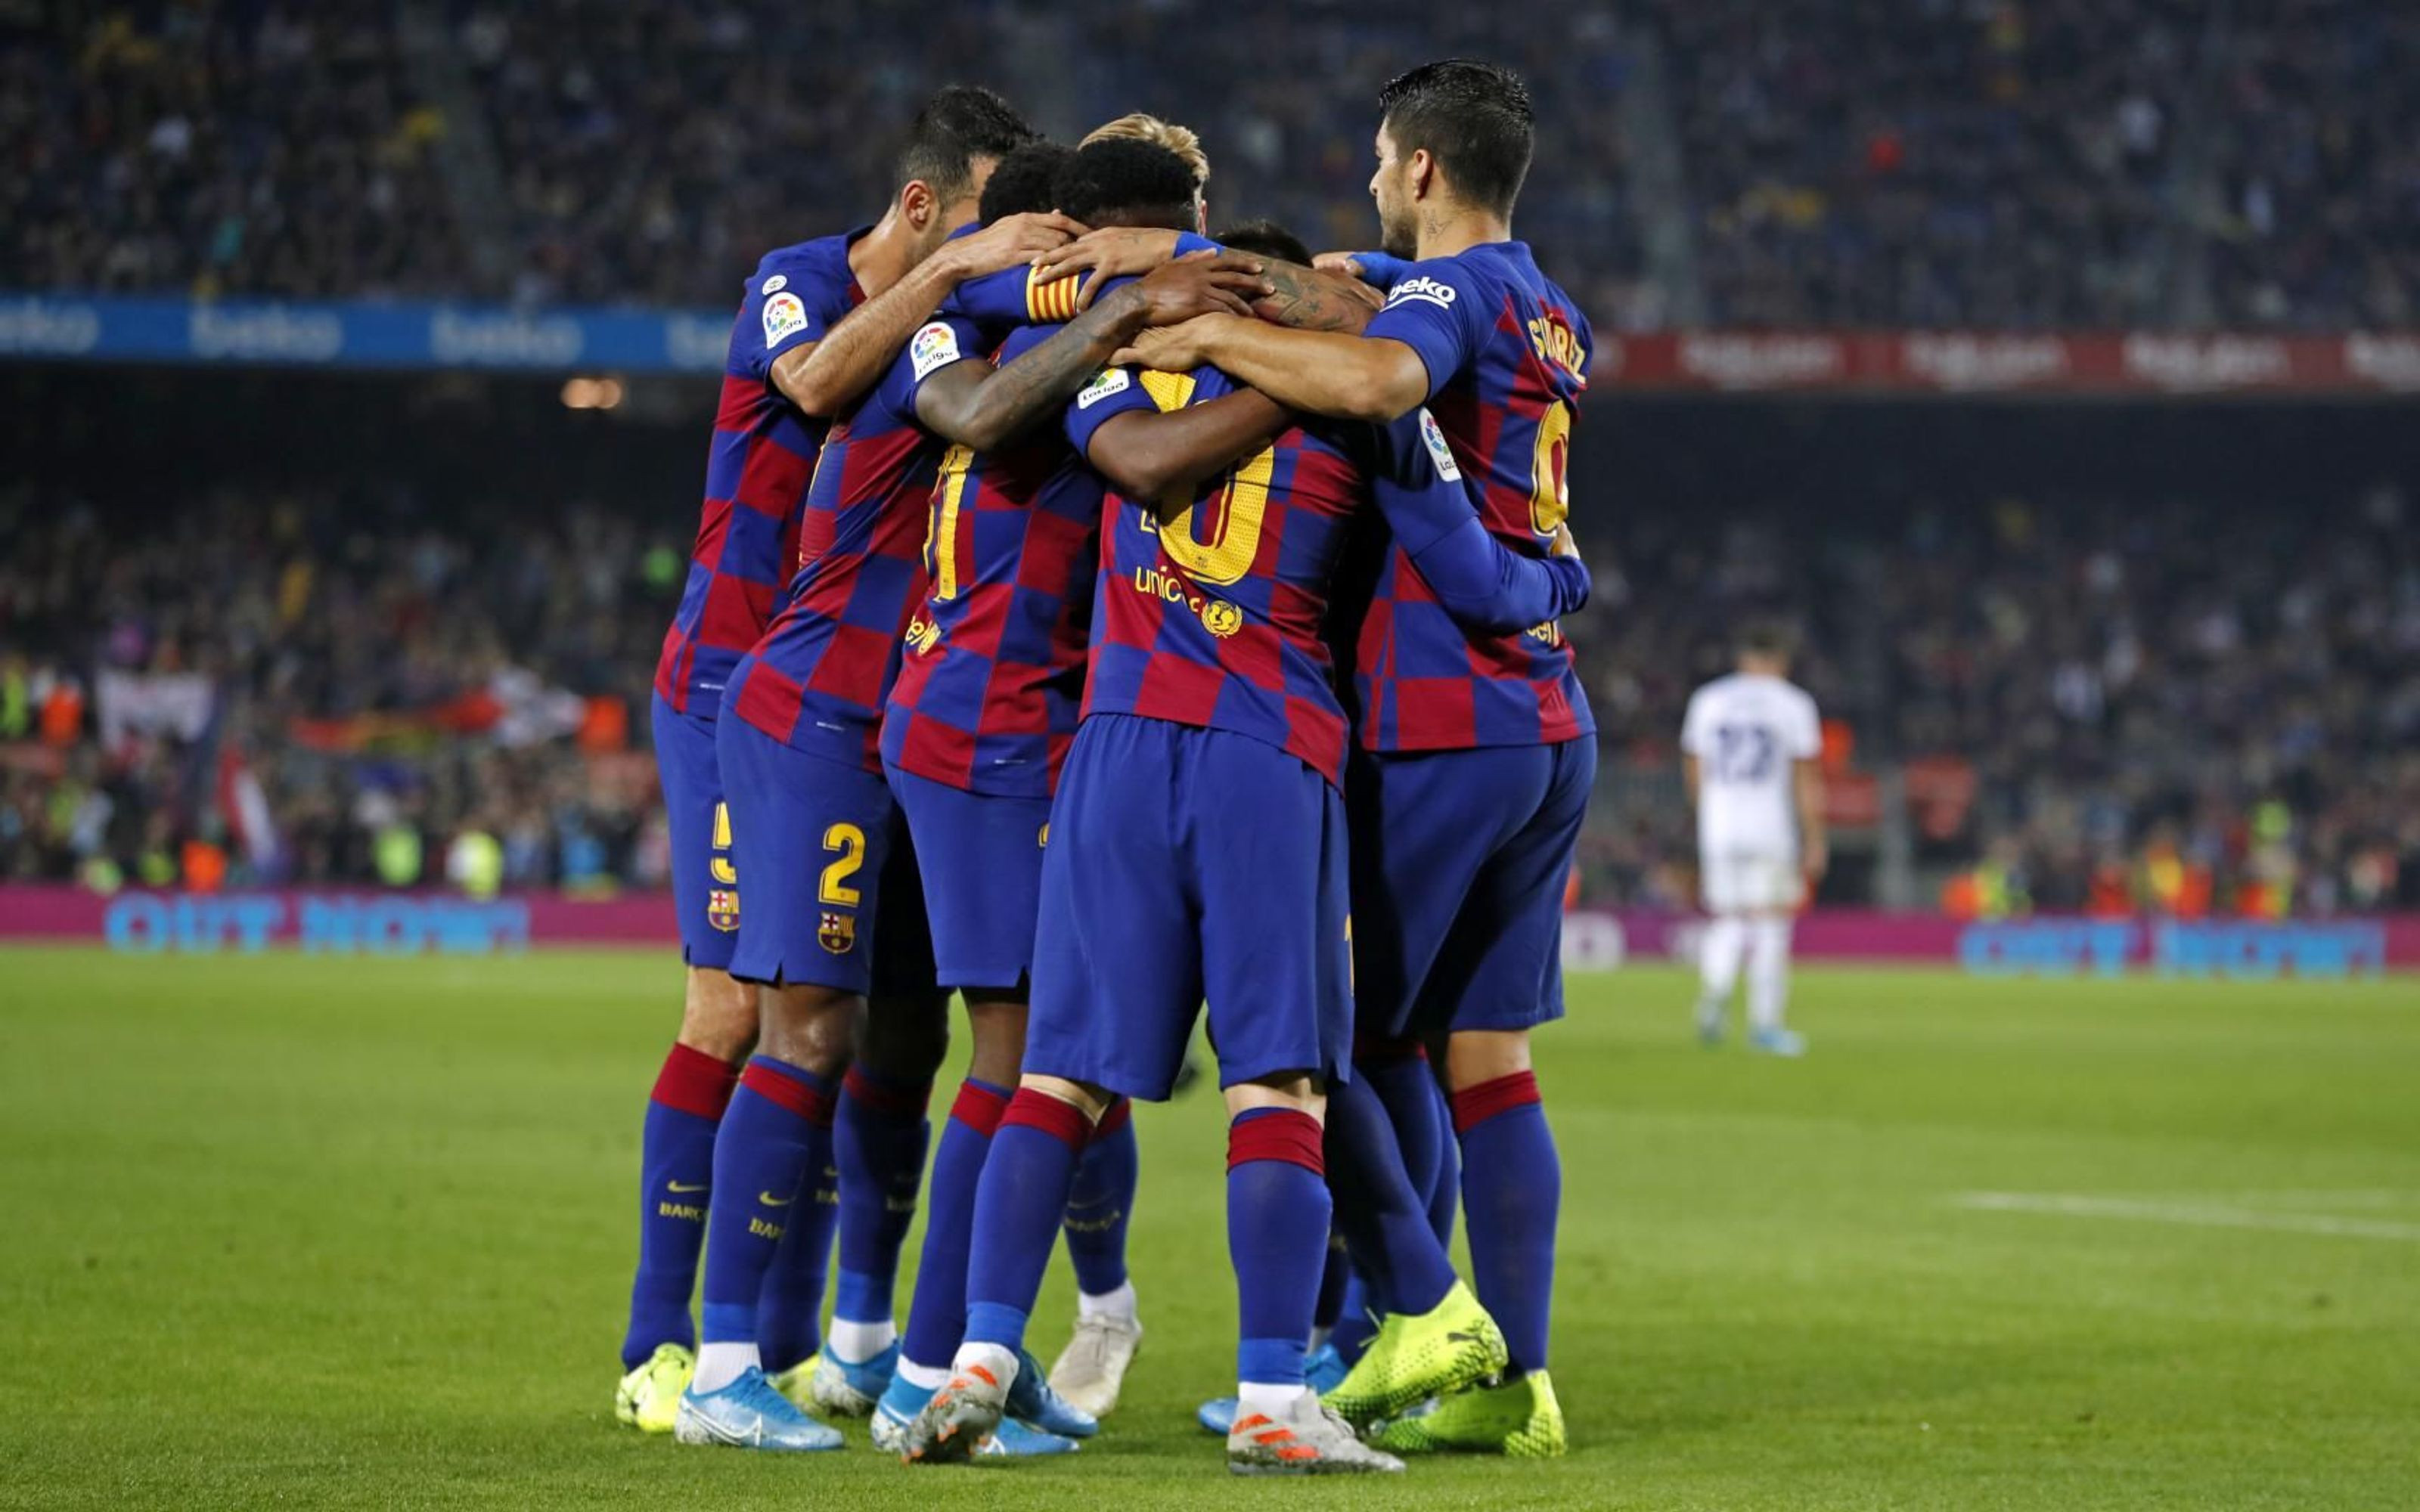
(1428, 290)
(1221, 618)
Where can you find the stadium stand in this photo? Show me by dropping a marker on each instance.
(2022, 164)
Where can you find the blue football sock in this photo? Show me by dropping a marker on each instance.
(1276, 1239)
(790, 1307)
(1356, 1326)
(1102, 1201)
(676, 1174)
(1385, 1222)
(1400, 1075)
(936, 1319)
(775, 1135)
(1512, 1189)
(1445, 1181)
(878, 1138)
(1018, 1205)
(1332, 1279)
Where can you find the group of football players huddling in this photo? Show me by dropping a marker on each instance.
(1093, 617)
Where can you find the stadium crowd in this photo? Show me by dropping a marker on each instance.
(320, 689)
(2097, 707)
(1970, 162)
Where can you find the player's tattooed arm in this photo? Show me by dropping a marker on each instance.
(1149, 453)
(975, 406)
(822, 378)
(1321, 371)
(1307, 298)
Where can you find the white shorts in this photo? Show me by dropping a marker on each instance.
(1751, 884)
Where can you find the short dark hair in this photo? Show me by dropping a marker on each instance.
(1024, 180)
(1765, 637)
(959, 124)
(1267, 237)
(1137, 180)
(1473, 117)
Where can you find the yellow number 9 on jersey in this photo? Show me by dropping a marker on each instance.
(1550, 497)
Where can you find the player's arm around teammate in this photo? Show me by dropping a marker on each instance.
(823, 376)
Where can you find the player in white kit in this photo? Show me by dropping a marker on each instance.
(1750, 745)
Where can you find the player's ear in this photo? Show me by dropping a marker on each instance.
(1200, 215)
(918, 204)
(1422, 170)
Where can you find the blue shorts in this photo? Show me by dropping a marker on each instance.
(1181, 862)
(705, 889)
(1460, 859)
(981, 857)
(830, 872)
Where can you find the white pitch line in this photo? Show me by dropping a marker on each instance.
(2199, 1215)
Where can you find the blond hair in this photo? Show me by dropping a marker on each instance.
(1144, 127)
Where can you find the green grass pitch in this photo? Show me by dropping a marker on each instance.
(322, 1232)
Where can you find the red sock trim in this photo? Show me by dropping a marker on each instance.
(881, 1094)
(802, 1092)
(1475, 1105)
(1278, 1134)
(1062, 1121)
(695, 1082)
(979, 1108)
(1379, 1048)
(1121, 1113)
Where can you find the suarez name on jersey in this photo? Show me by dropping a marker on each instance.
(1210, 614)
(1507, 353)
(756, 473)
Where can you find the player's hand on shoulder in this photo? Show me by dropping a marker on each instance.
(1170, 348)
(1337, 262)
(1113, 251)
(1223, 283)
(1010, 240)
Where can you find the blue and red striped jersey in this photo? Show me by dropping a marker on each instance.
(819, 677)
(756, 472)
(1507, 353)
(1212, 615)
(992, 681)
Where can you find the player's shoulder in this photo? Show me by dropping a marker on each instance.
(1449, 282)
(813, 270)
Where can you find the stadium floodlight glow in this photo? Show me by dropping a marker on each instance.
(592, 392)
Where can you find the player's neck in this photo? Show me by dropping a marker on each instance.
(883, 255)
(1449, 230)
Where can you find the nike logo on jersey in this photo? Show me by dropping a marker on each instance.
(684, 1186)
(771, 1201)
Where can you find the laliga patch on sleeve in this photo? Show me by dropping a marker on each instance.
(785, 315)
(934, 347)
(1109, 380)
(1438, 451)
(776, 283)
